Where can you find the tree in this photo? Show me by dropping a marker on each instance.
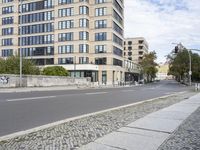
(179, 65)
(55, 71)
(11, 65)
(149, 65)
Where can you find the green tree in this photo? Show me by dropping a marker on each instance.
(179, 65)
(55, 71)
(149, 65)
(11, 65)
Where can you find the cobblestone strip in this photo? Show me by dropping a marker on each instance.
(73, 134)
(187, 136)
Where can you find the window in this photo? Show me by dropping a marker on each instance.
(37, 40)
(66, 12)
(117, 17)
(7, 42)
(100, 1)
(104, 77)
(83, 48)
(7, 20)
(66, 24)
(7, 31)
(6, 1)
(65, 1)
(117, 40)
(37, 28)
(129, 42)
(84, 23)
(6, 52)
(83, 60)
(83, 10)
(100, 49)
(117, 51)
(65, 37)
(100, 61)
(117, 62)
(7, 10)
(100, 24)
(117, 28)
(101, 36)
(83, 35)
(38, 51)
(68, 60)
(64, 49)
(129, 48)
(100, 11)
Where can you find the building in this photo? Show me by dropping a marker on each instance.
(162, 73)
(84, 36)
(135, 48)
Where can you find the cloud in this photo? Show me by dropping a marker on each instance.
(163, 22)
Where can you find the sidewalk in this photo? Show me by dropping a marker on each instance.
(156, 129)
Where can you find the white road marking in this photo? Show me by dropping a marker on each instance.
(96, 93)
(30, 98)
(128, 90)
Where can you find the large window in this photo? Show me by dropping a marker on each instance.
(83, 60)
(34, 6)
(101, 36)
(7, 10)
(66, 12)
(83, 48)
(7, 31)
(100, 1)
(37, 51)
(65, 37)
(117, 62)
(100, 11)
(83, 35)
(6, 1)
(65, 1)
(36, 40)
(117, 40)
(84, 23)
(100, 49)
(117, 17)
(64, 49)
(83, 10)
(6, 52)
(7, 42)
(66, 24)
(68, 60)
(117, 51)
(7, 20)
(38, 28)
(117, 28)
(101, 61)
(36, 17)
(100, 24)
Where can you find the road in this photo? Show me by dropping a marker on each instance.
(22, 111)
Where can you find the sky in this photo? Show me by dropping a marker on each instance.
(163, 22)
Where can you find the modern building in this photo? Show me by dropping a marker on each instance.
(84, 36)
(135, 48)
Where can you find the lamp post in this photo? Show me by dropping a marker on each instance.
(20, 44)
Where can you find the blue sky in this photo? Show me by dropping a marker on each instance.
(163, 22)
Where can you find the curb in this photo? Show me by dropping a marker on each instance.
(36, 129)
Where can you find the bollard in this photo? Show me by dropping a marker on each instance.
(197, 86)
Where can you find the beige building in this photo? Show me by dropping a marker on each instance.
(84, 36)
(135, 48)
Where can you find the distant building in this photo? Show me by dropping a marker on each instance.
(162, 74)
(135, 48)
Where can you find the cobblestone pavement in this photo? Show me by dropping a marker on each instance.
(187, 136)
(73, 134)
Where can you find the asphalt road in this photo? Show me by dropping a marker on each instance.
(22, 111)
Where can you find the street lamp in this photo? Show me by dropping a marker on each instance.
(181, 47)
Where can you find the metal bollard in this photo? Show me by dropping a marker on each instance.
(197, 86)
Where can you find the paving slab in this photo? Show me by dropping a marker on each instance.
(97, 146)
(156, 124)
(173, 115)
(132, 139)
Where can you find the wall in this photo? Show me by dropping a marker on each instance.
(42, 81)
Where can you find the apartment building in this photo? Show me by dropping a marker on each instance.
(135, 48)
(84, 36)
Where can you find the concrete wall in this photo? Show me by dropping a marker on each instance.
(42, 81)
